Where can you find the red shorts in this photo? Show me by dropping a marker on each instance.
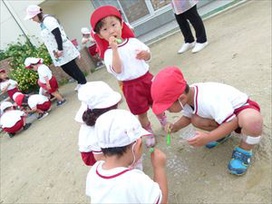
(88, 158)
(53, 84)
(12, 91)
(18, 126)
(249, 104)
(45, 106)
(92, 50)
(137, 94)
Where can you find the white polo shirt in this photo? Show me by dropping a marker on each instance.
(36, 99)
(215, 101)
(44, 71)
(121, 185)
(13, 84)
(10, 118)
(132, 67)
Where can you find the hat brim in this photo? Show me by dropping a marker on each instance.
(158, 108)
(79, 114)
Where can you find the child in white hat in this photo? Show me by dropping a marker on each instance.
(12, 120)
(112, 180)
(46, 80)
(97, 98)
(90, 44)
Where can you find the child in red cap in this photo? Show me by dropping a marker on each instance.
(126, 58)
(216, 108)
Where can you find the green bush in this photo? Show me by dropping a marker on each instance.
(18, 52)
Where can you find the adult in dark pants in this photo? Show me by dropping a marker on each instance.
(60, 48)
(186, 10)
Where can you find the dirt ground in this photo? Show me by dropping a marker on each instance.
(43, 165)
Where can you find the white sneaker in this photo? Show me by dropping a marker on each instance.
(185, 47)
(199, 46)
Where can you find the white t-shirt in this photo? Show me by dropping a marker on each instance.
(44, 71)
(10, 118)
(87, 140)
(13, 84)
(215, 101)
(132, 67)
(121, 185)
(180, 6)
(69, 50)
(35, 100)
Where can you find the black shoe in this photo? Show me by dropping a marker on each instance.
(42, 115)
(27, 125)
(59, 103)
(11, 135)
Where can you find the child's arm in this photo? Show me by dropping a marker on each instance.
(47, 83)
(158, 160)
(5, 88)
(116, 61)
(181, 123)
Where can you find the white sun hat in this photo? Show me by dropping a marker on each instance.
(85, 30)
(118, 128)
(5, 105)
(96, 95)
(32, 60)
(31, 11)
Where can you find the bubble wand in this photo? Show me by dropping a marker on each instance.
(168, 137)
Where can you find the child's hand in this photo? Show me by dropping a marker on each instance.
(142, 55)
(158, 159)
(168, 127)
(113, 42)
(200, 139)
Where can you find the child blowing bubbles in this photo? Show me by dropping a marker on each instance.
(216, 108)
(125, 57)
(46, 80)
(111, 180)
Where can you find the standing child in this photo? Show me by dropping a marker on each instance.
(125, 57)
(12, 120)
(89, 42)
(216, 108)
(46, 80)
(97, 98)
(36, 102)
(112, 180)
(7, 85)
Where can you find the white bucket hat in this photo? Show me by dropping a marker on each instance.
(96, 95)
(31, 11)
(32, 60)
(5, 105)
(118, 128)
(85, 30)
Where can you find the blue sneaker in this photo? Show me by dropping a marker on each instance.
(240, 161)
(213, 144)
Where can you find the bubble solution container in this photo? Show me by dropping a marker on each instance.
(187, 132)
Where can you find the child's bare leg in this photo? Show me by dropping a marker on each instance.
(251, 123)
(150, 139)
(57, 95)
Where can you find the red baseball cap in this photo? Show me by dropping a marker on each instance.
(18, 98)
(166, 88)
(103, 12)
